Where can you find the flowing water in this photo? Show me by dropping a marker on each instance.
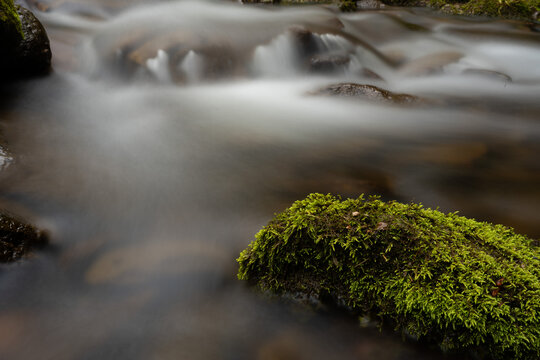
(170, 132)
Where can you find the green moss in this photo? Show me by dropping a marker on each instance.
(444, 278)
(514, 9)
(520, 9)
(348, 5)
(10, 24)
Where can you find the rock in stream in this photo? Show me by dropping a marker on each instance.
(26, 56)
(17, 238)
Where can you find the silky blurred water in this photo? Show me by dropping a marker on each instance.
(170, 132)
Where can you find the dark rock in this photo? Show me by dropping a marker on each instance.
(306, 42)
(5, 158)
(30, 56)
(10, 26)
(367, 92)
(328, 62)
(348, 5)
(17, 238)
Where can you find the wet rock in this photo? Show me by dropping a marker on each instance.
(386, 264)
(184, 55)
(430, 64)
(306, 43)
(17, 238)
(27, 55)
(367, 92)
(326, 63)
(10, 26)
(370, 4)
(5, 158)
(489, 74)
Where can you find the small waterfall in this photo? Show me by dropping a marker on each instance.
(276, 59)
(192, 66)
(159, 67)
(335, 43)
(340, 47)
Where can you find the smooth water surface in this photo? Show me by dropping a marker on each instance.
(170, 132)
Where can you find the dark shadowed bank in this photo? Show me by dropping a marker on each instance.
(440, 278)
(509, 9)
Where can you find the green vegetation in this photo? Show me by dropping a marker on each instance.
(516, 9)
(519, 9)
(442, 278)
(10, 24)
(348, 5)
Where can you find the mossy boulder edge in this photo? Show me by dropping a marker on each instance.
(24, 44)
(443, 278)
(10, 24)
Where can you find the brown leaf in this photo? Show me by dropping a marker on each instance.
(381, 226)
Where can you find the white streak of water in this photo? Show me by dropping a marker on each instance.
(192, 66)
(276, 59)
(159, 67)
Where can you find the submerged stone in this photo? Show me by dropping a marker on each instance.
(17, 238)
(367, 92)
(327, 63)
(442, 278)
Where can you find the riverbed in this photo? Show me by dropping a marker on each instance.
(170, 132)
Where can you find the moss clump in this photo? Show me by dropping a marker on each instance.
(510, 9)
(439, 277)
(348, 5)
(10, 24)
(519, 9)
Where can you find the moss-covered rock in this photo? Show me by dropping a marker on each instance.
(348, 5)
(17, 238)
(10, 24)
(509, 9)
(24, 43)
(513, 9)
(442, 278)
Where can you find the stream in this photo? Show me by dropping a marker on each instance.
(170, 132)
